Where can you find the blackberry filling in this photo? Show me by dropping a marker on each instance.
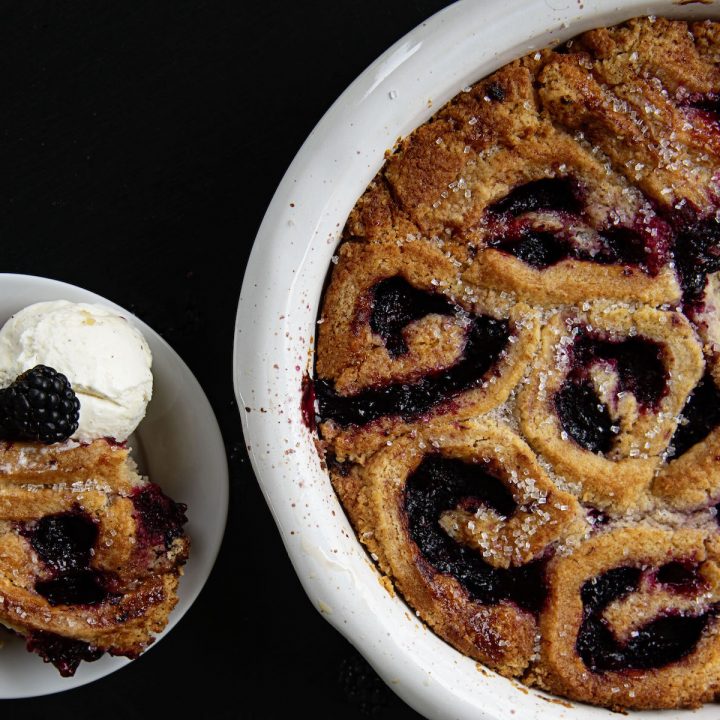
(307, 402)
(487, 338)
(701, 415)
(79, 587)
(159, 519)
(396, 304)
(708, 105)
(646, 245)
(440, 484)
(536, 248)
(640, 371)
(64, 542)
(560, 194)
(615, 246)
(599, 592)
(638, 362)
(470, 484)
(680, 576)
(697, 254)
(583, 417)
(660, 642)
(63, 653)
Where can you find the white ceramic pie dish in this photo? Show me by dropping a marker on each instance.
(178, 444)
(275, 334)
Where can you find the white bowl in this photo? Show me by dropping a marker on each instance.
(179, 446)
(275, 333)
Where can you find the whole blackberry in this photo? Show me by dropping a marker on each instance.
(39, 405)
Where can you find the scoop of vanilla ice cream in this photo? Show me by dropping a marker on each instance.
(106, 360)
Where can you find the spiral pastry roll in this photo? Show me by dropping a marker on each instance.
(631, 620)
(403, 339)
(602, 400)
(462, 516)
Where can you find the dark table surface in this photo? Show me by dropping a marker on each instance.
(140, 144)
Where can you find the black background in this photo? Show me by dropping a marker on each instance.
(140, 143)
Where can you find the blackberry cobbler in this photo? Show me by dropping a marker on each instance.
(90, 552)
(517, 380)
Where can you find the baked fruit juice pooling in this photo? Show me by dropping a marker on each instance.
(517, 382)
(90, 552)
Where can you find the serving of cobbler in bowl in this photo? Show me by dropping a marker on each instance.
(113, 487)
